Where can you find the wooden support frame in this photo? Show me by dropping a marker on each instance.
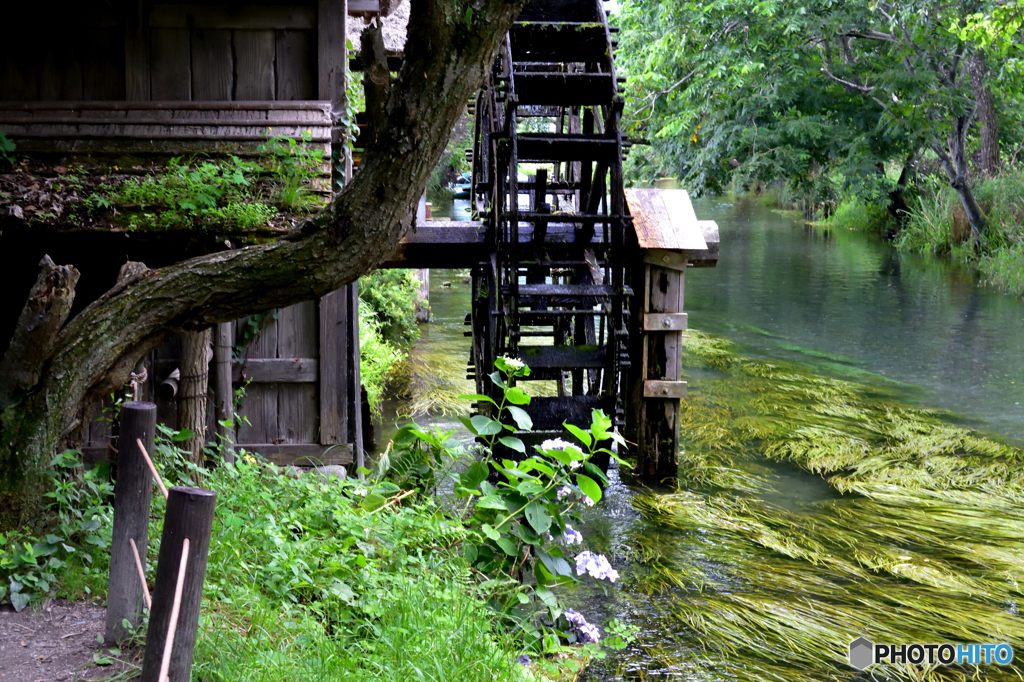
(656, 386)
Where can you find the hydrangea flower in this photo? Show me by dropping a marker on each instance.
(587, 632)
(555, 444)
(523, 660)
(587, 501)
(596, 565)
(575, 464)
(571, 536)
(564, 491)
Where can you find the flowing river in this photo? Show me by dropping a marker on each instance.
(851, 465)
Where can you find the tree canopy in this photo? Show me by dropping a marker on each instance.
(771, 89)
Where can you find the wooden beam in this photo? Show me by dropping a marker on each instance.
(673, 260)
(665, 322)
(276, 370)
(136, 51)
(251, 17)
(672, 390)
(301, 454)
(333, 368)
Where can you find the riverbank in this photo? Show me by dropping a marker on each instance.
(937, 225)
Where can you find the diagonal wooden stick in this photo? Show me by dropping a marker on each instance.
(142, 574)
(175, 608)
(152, 469)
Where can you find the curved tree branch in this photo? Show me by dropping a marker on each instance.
(449, 50)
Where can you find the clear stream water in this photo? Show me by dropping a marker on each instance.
(839, 302)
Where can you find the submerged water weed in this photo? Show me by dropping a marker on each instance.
(923, 546)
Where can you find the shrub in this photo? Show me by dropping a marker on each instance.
(377, 358)
(392, 295)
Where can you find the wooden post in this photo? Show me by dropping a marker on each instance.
(132, 496)
(656, 388)
(355, 407)
(224, 393)
(189, 515)
(195, 380)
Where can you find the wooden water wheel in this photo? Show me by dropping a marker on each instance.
(547, 182)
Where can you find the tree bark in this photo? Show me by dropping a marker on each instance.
(449, 49)
(898, 208)
(954, 162)
(195, 381)
(988, 123)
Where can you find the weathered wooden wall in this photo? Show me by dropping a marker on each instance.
(140, 50)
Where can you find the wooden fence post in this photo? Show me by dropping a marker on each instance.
(223, 389)
(189, 515)
(133, 492)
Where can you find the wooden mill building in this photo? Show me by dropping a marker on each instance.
(98, 97)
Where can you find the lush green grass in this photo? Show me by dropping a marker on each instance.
(304, 583)
(937, 226)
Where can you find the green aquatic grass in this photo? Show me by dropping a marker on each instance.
(925, 544)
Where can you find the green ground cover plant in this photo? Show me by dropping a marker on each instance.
(424, 570)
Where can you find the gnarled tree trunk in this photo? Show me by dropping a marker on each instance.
(988, 123)
(450, 47)
(954, 161)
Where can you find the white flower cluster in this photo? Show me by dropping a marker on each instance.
(513, 363)
(555, 444)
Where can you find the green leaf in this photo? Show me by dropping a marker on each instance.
(530, 487)
(485, 426)
(527, 535)
(475, 474)
(341, 590)
(491, 502)
(19, 600)
(489, 531)
(476, 396)
(507, 546)
(468, 423)
(498, 381)
(469, 552)
(521, 418)
(523, 599)
(538, 516)
(182, 435)
(579, 433)
(513, 443)
(372, 502)
(589, 487)
(517, 396)
(547, 597)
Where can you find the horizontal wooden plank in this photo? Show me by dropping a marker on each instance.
(440, 244)
(671, 390)
(276, 370)
(298, 105)
(664, 219)
(665, 322)
(163, 132)
(549, 413)
(563, 357)
(709, 257)
(361, 7)
(670, 260)
(255, 17)
(162, 122)
(171, 146)
(300, 454)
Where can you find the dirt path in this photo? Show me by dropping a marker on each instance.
(56, 640)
